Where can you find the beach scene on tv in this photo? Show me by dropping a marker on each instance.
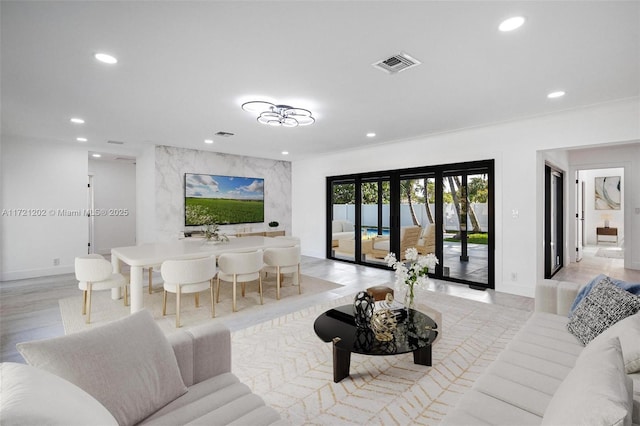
(226, 199)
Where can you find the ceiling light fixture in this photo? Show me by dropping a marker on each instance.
(96, 155)
(285, 152)
(106, 58)
(81, 139)
(557, 94)
(279, 115)
(76, 120)
(209, 141)
(371, 135)
(511, 24)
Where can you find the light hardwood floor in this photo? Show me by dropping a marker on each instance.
(29, 308)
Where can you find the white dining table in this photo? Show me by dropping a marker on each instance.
(145, 255)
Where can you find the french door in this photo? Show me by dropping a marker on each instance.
(446, 210)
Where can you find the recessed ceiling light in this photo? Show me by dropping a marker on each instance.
(81, 139)
(96, 155)
(209, 141)
(557, 94)
(106, 58)
(285, 152)
(77, 120)
(371, 135)
(511, 23)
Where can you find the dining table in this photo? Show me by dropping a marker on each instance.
(151, 254)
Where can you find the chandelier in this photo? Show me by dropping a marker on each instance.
(279, 115)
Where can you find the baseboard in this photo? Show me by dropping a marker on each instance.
(35, 273)
(520, 290)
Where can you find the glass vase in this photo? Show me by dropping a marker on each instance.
(409, 298)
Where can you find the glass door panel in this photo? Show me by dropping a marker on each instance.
(465, 224)
(343, 212)
(375, 220)
(417, 219)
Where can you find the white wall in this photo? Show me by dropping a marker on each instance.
(146, 196)
(114, 188)
(166, 191)
(513, 145)
(48, 178)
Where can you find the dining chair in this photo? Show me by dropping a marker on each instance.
(188, 276)
(151, 269)
(282, 261)
(94, 272)
(240, 268)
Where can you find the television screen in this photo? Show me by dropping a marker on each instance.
(226, 199)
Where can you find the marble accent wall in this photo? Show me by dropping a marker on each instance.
(172, 163)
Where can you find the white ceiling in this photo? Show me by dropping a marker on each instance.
(185, 68)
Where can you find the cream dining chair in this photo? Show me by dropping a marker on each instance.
(281, 261)
(188, 276)
(94, 272)
(240, 268)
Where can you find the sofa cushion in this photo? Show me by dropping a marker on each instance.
(31, 396)
(127, 365)
(628, 331)
(219, 400)
(603, 306)
(596, 391)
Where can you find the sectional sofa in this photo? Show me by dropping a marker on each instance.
(546, 375)
(127, 372)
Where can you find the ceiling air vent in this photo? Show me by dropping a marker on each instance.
(224, 134)
(396, 63)
(116, 142)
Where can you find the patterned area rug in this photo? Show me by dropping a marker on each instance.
(291, 368)
(611, 252)
(105, 309)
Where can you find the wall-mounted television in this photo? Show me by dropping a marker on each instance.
(229, 199)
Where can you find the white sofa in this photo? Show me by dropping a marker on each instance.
(127, 372)
(341, 230)
(545, 375)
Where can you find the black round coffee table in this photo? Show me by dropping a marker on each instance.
(415, 333)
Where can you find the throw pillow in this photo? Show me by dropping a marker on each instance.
(127, 365)
(628, 331)
(630, 287)
(603, 306)
(31, 396)
(595, 392)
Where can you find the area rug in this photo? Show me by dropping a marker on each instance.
(611, 252)
(283, 361)
(105, 309)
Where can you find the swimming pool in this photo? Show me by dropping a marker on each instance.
(372, 232)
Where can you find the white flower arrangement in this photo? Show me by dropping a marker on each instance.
(415, 273)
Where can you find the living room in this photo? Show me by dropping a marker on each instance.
(164, 97)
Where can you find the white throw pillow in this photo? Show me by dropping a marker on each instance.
(596, 391)
(31, 396)
(127, 365)
(628, 331)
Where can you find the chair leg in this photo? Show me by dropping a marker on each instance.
(150, 280)
(218, 291)
(88, 303)
(164, 303)
(243, 285)
(197, 300)
(278, 282)
(234, 293)
(260, 289)
(178, 307)
(84, 302)
(213, 305)
(126, 296)
(299, 280)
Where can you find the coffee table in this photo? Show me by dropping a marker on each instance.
(414, 333)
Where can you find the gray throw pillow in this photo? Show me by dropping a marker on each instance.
(605, 305)
(127, 365)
